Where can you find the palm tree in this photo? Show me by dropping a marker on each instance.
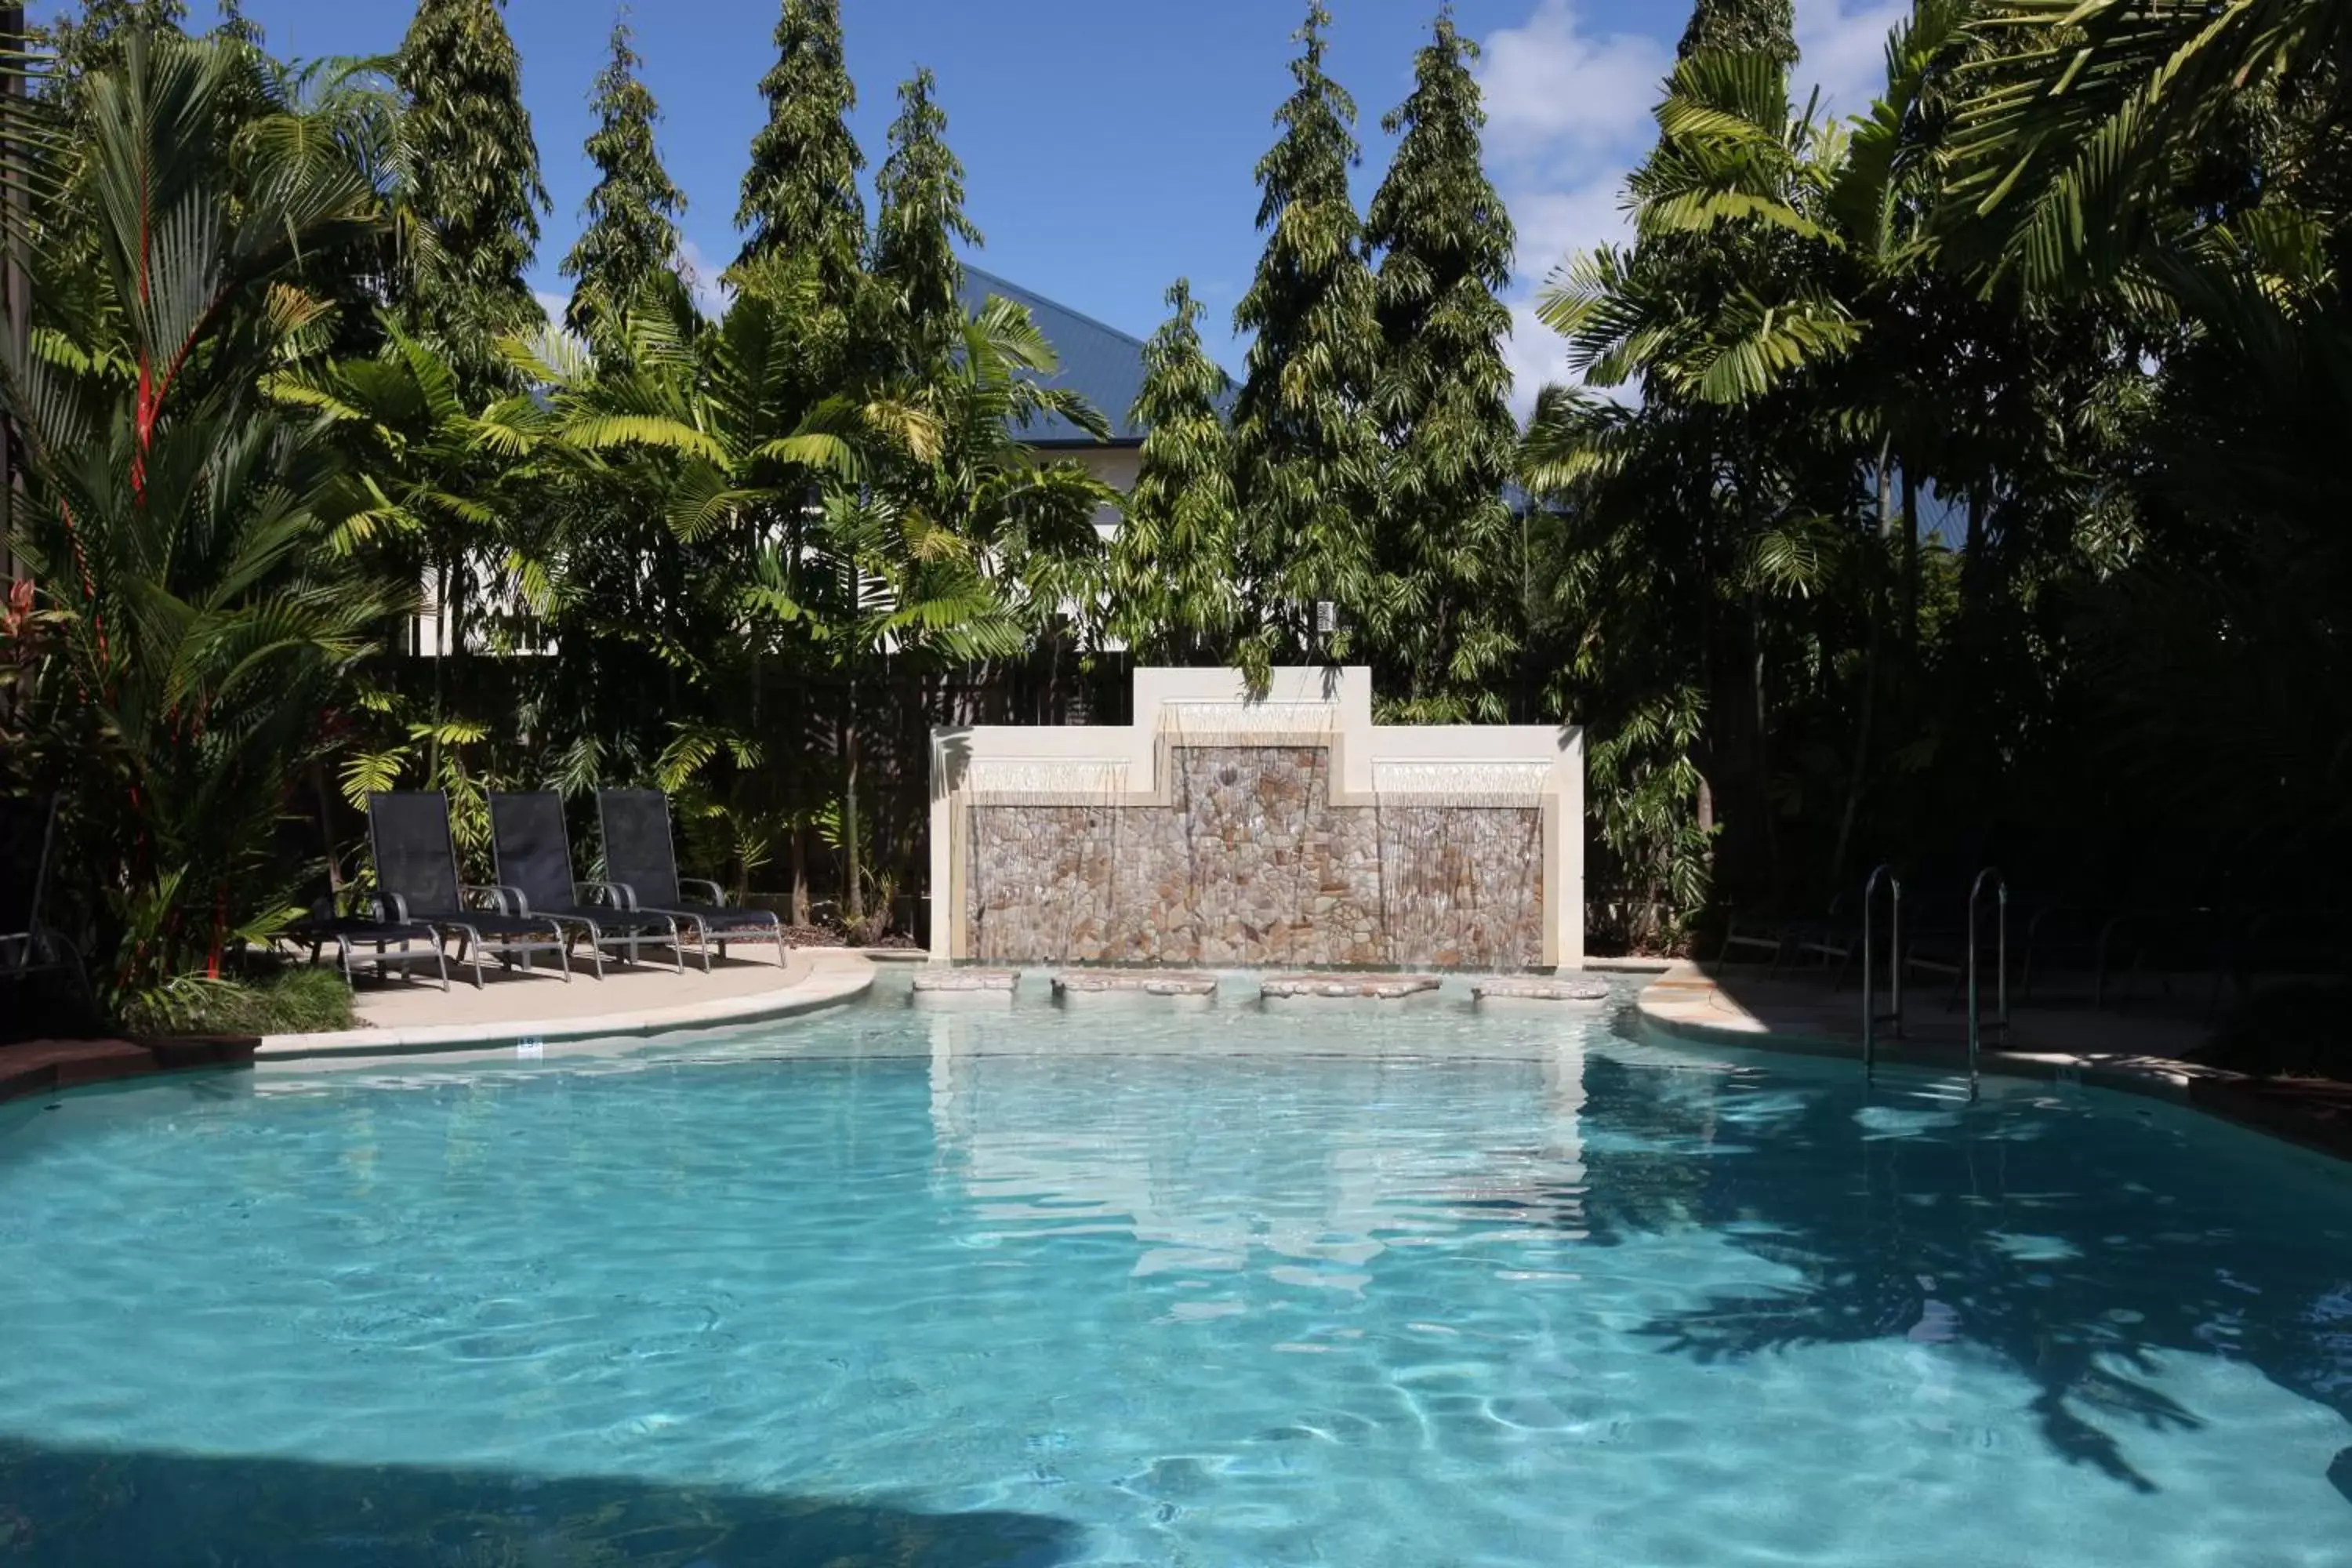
(830, 516)
(178, 525)
(2082, 114)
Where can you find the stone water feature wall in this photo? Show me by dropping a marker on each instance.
(1286, 833)
(1250, 864)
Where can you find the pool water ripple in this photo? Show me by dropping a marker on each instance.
(1136, 1287)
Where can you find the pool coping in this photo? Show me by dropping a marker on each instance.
(31, 1069)
(810, 992)
(2253, 1103)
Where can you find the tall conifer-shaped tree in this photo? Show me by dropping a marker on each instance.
(90, 39)
(1742, 28)
(632, 233)
(474, 189)
(235, 26)
(921, 216)
(801, 192)
(1173, 589)
(86, 39)
(1305, 448)
(1445, 626)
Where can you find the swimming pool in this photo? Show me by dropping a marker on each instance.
(1132, 1285)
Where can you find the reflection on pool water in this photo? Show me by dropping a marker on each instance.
(1142, 1286)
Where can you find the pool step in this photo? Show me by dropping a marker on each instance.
(1537, 989)
(1346, 987)
(981, 987)
(1101, 983)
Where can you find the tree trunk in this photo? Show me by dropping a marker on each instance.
(853, 894)
(799, 874)
(1763, 744)
(1873, 621)
(440, 637)
(1910, 560)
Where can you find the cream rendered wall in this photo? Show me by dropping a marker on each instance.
(1120, 765)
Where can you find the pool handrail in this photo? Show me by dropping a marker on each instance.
(1990, 876)
(1883, 876)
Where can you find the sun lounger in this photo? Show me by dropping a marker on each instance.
(416, 880)
(533, 852)
(641, 861)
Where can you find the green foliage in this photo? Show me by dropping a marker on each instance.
(1646, 791)
(177, 523)
(290, 1001)
(1445, 614)
(2084, 120)
(1765, 28)
(633, 212)
(1973, 491)
(472, 190)
(1173, 577)
(801, 192)
(920, 221)
(93, 37)
(1307, 451)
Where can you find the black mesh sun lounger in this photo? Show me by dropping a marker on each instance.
(641, 864)
(352, 925)
(534, 861)
(417, 879)
(353, 934)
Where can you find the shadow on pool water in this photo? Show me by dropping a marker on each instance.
(79, 1509)
(2029, 1238)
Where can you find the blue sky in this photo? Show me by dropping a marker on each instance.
(1109, 144)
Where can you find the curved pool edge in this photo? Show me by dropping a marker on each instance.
(1675, 1008)
(812, 981)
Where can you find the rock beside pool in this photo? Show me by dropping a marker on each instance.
(1347, 987)
(967, 982)
(1133, 982)
(1534, 988)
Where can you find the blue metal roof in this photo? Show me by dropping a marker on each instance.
(1101, 364)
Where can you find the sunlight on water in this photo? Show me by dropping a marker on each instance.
(1137, 1286)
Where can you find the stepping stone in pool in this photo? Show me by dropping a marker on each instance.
(1105, 985)
(1347, 987)
(1514, 990)
(983, 987)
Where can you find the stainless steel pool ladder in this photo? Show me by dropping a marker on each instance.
(1989, 878)
(1872, 1017)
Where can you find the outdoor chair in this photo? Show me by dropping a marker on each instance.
(1785, 941)
(416, 880)
(341, 925)
(533, 852)
(641, 862)
(29, 945)
(1763, 933)
(349, 923)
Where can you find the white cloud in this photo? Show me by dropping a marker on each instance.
(1568, 114)
(1555, 90)
(1555, 224)
(702, 280)
(554, 304)
(1842, 46)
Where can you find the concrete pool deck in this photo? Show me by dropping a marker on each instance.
(515, 1008)
(2142, 1053)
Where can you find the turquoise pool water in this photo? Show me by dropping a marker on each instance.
(1134, 1286)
